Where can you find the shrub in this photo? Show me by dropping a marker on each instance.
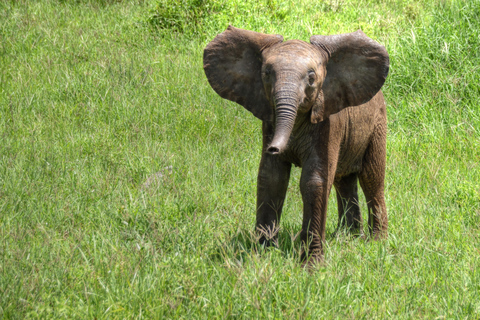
(203, 19)
(182, 16)
(199, 18)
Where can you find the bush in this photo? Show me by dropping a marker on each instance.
(201, 18)
(183, 16)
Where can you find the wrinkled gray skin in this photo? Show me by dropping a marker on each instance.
(321, 109)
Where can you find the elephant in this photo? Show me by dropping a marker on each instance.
(321, 109)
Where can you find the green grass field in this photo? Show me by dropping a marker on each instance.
(122, 197)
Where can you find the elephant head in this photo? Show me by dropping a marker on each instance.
(278, 80)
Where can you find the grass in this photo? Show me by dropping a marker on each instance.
(93, 103)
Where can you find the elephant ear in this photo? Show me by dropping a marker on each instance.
(233, 66)
(357, 67)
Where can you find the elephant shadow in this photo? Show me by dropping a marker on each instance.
(244, 244)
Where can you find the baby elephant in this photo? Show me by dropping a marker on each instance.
(321, 109)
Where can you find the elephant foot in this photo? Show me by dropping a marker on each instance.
(312, 255)
(267, 236)
(268, 242)
(379, 235)
(311, 261)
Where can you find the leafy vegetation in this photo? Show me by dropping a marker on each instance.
(121, 195)
(203, 18)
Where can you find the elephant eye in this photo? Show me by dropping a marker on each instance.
(266, 75)
(311, 78)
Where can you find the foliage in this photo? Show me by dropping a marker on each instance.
(196, 18)
(184, 16)
(127, 186)
(204, 18)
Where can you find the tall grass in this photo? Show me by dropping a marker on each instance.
(127, 186)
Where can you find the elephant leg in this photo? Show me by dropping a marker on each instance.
(372, 178)
(272, 183)
(315, 188)
(349, 216)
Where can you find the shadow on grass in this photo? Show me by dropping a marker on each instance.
(244, 244)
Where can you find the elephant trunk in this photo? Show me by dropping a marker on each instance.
(286, 103)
